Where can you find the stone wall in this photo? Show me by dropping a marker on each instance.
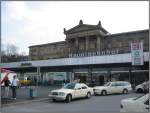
(47, 51)
(123, 41)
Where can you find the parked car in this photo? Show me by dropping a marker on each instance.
(113, 87)
(71, 91)
(142, 88)
(135, 104)
(24, 82)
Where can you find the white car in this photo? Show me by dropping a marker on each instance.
(113, 87)
(135, 104)
(71, 91)
(141, 88)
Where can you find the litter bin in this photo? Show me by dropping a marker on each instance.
(32, 92)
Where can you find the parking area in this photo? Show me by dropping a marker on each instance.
(96, 104)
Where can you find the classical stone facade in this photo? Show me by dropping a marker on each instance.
(87, 40)
(47, 51)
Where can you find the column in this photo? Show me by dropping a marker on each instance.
(68, 74)
(65, 77)
(98, 43)
(130, 75)
(91, 76)
(38, 75)
(42, 78)
(71, 77)
(67, 52)
(76, 43)
(87, 43)
(132, 78)
(109, 74)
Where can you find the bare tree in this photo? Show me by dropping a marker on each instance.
(11, 49)
(10, 54)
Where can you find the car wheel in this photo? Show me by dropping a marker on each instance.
(139, 90)
(88, 95)
(104, 92)
(68, 98)
(54, 100)
(125, 91)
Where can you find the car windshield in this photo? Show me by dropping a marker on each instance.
(69, 86)
(107, 84)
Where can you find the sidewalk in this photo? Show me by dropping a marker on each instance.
(23, 95)
(9, 102)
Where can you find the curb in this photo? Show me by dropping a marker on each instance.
(24, 102)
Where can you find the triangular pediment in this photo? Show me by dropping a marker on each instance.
(80, 28)
(85, 27)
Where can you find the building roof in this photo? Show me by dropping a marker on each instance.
(85, 27)
(130, 32)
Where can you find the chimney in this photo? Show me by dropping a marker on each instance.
(81, 22)
(64, 31)
(99, 24)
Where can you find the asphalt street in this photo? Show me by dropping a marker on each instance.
(95, 104)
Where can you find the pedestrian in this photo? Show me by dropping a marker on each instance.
(6, 86)
(35, 81)
(28, 81)
(14, 84)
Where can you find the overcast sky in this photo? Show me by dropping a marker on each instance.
(26, 23)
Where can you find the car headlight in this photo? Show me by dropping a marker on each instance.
(61, 93)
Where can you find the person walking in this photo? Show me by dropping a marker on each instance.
(6, 86)
(14, 84)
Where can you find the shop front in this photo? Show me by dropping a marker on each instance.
(135, 77)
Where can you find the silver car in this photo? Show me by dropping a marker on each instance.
(113, 87)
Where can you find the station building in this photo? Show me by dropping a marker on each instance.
(89, 53)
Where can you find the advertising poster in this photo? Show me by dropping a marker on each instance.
(137, 53)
